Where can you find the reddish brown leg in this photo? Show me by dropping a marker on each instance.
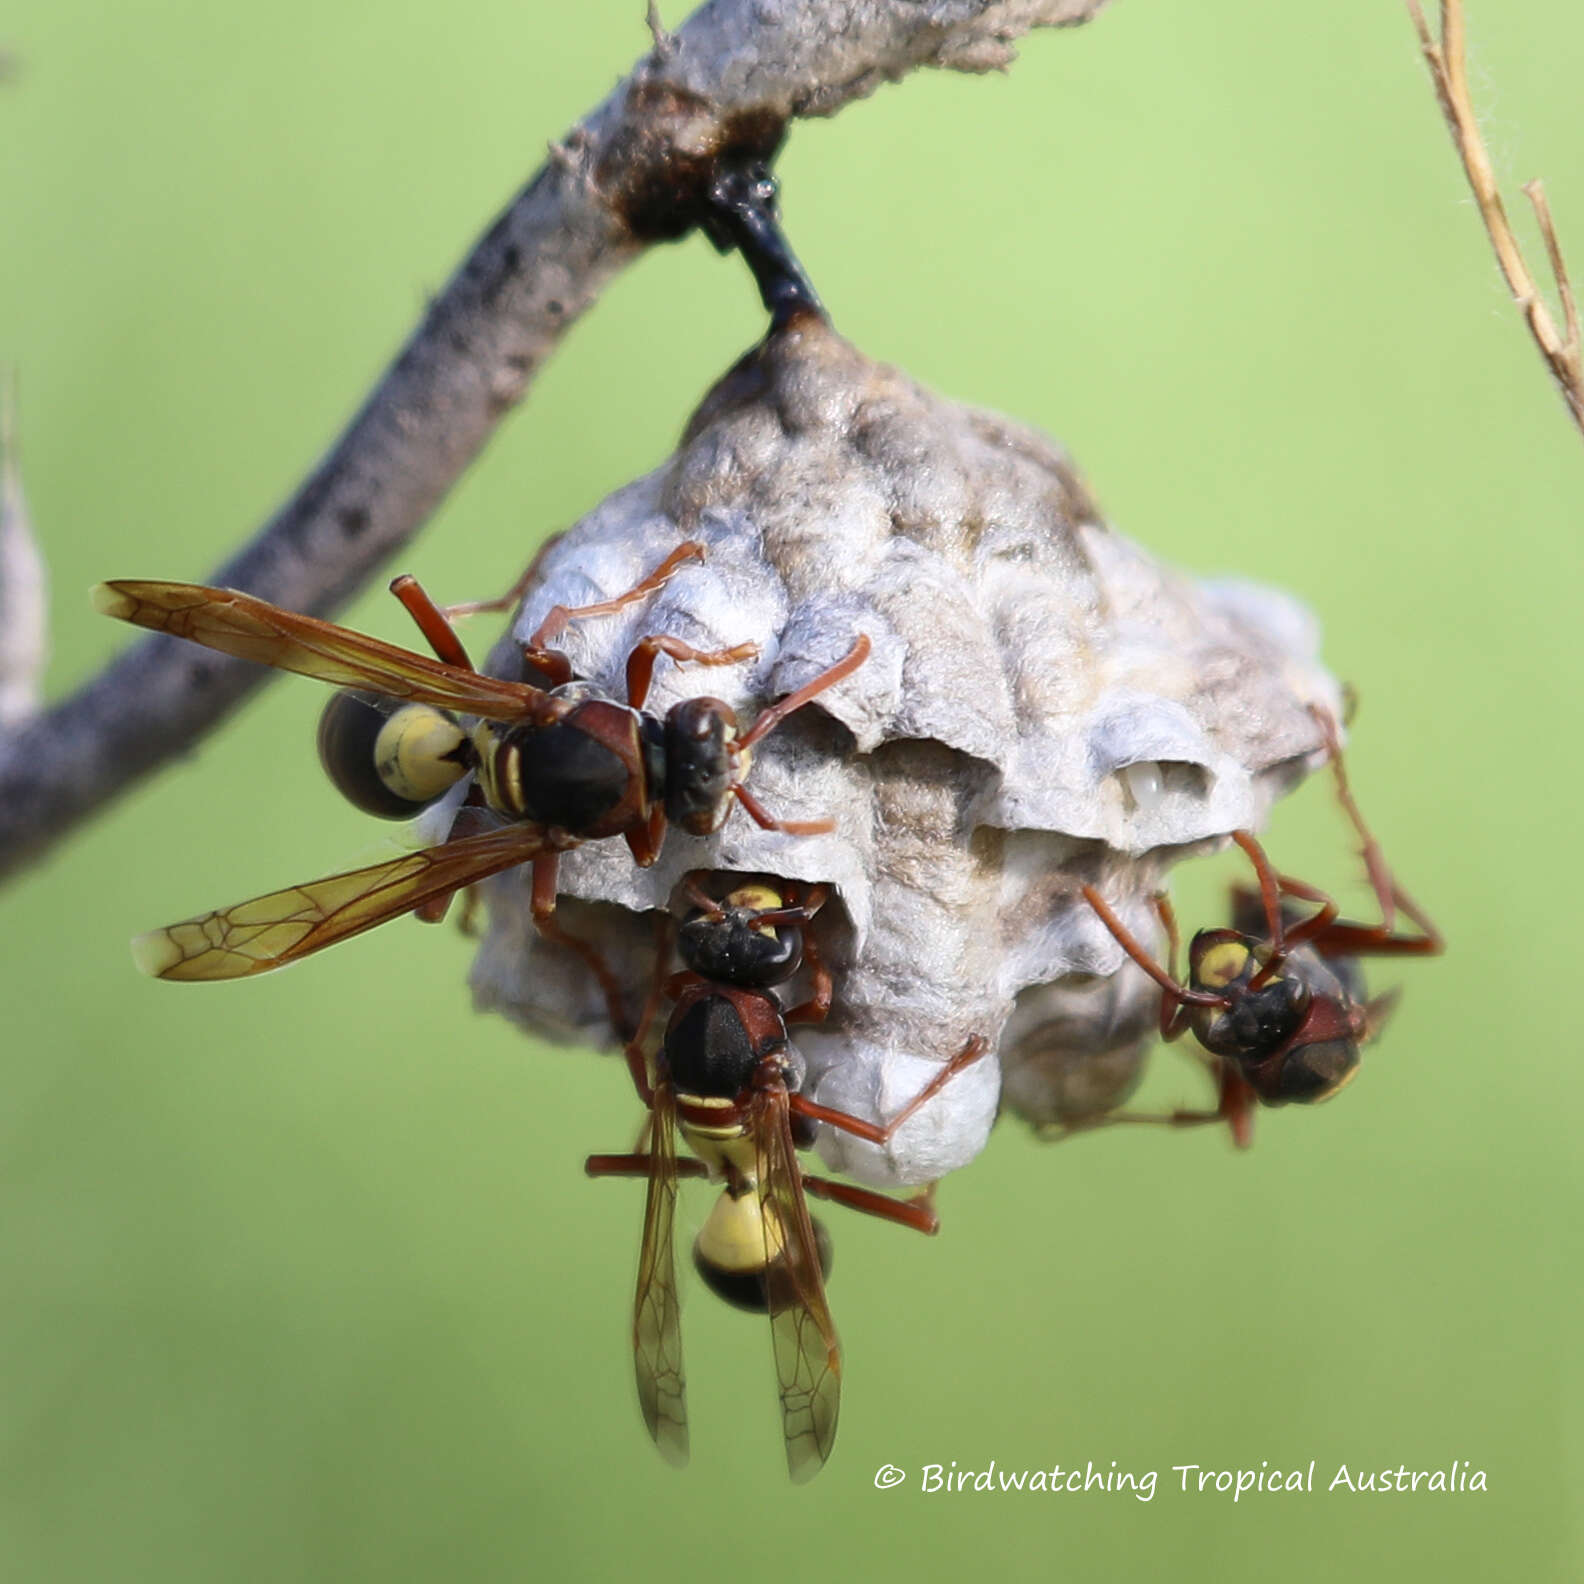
(551, 664)
(637, 1060)
(513, 596)
(643, 841)
(544, 901)
(472, 819)
(1318, 922)
(1124, 938)
(641, 662)
(645, 1133)
(1371, 940)
(902, 1211)
(1175, 1020)
(872, 1132)
(431, 622)
(1270, 892)
(640, 1166)
(771, 718)
(1348, 939)
(765, 820)
(700, 898)
(818, 1005)
(561, 616)
(1273, 887)
(1235, 1108)
(435, 909)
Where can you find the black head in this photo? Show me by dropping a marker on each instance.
(701, 764)
(1294, 1037)
(727, 943)
(1255, 1020)
(389, 757)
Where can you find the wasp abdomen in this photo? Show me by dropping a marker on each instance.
(388, 757)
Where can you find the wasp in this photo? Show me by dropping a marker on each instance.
(728, 1078)
(1277, 1000)
(561, 764)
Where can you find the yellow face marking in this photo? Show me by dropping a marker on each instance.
(755, 899)
(1222, 964)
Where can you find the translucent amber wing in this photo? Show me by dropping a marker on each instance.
(808, 1359)
(657, 1329)
(267, 931)
(252, 629)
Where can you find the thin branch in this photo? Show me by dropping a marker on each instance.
(23, 634)
(1449, 73)
(630, 174)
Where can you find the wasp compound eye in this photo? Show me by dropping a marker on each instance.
(699, 771)
(390, 758)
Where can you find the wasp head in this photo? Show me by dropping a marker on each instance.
(701, 764)
(728, 941)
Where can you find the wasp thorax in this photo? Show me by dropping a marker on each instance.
(1309, 1073)
(737, 1245)
(388, 757)
(563, 774)
(732, 946)
(710, 1050)
(700, 765)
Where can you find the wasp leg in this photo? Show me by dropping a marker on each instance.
(1382, 939)
(639, 1166)
(513, 596)
(818, 1005)
(543, 905)
(873, 1132)
(562, 616)
(904, 1212)
(432, 622)
(641, 662)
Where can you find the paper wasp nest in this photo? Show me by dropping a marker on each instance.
(1044, 705)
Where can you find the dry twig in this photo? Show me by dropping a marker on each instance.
(1449, 72)
(726, 83)
(22, 643)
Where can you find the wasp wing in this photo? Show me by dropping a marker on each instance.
(808, 1359)
(252, 629)
(657, 1328)
(267, 931)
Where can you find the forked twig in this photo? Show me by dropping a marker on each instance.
(1449, 73)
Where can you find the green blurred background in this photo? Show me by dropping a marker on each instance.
(302, 1279)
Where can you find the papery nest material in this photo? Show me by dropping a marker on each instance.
(1044, 705)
